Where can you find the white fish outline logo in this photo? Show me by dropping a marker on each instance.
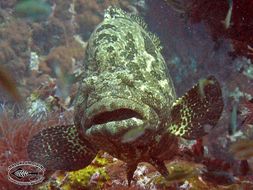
(20, 176)
(20, 173)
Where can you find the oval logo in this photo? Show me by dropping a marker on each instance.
(26, 173)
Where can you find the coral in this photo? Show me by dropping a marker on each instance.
(15, 42)
(7, 53)
(64, 57)
(14, 47)
(62, 63)
(62, 10)
(93, 176)
(48, 35)
(90, 177)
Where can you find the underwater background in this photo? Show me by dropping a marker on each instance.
(42, 45)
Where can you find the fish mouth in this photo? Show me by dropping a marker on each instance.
(114, 116)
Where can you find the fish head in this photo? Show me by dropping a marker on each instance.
(126, 84)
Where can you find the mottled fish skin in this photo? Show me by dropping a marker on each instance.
(61, 147)
(125, 73)
(126, 85)
(126, 88)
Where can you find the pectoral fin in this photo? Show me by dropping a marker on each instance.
(198, 110)
(61, 148)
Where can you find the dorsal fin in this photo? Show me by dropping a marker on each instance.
(199, 109)
(115, 12)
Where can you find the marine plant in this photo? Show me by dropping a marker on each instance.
(14, 135)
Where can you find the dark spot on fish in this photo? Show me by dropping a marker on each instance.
(110, 49)
(105, 26)
(123, 54)
(149, 46)
(129, 37)
(157, 76)
(112, 60)
(130, 47)
(181, 131)
(108, 37)
(130, 56)
(134, 67)
(126, 81)
(138, 76)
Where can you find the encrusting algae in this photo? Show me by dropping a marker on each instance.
(92, 177)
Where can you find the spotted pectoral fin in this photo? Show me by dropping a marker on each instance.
(61, 148)
(194, 113)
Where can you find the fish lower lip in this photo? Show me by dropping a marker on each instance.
(115, 127)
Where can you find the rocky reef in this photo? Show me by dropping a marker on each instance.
(44, 56)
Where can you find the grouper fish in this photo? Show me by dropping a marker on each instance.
(126, 86)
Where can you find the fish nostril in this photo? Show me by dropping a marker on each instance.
(115, 115)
